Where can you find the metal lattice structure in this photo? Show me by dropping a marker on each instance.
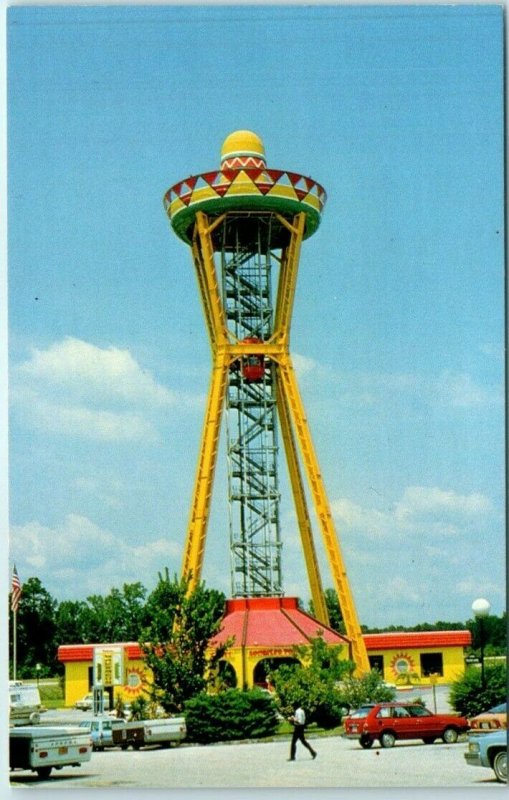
(251, 415)
(245, 225)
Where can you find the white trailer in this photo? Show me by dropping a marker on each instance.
(41, 749)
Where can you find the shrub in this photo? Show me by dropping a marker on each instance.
(314, 684)
(230, 715)
(467, 695)
(139, 708)
(369, 688)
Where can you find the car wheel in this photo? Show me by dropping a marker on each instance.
(387, 739)
(366, 742)
(500, 766)
(428, 740)
(450, 735)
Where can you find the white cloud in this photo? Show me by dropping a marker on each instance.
(303, 365)
(460, 390)
(78, 558)
(81, 367)
(449, 389)
(479, 587)
(84, 422)
(419, 500)
(78, 389)
(421, 511)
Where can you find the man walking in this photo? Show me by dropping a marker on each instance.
(299, 723)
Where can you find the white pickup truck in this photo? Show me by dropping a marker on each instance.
(150, 731)
(41, 749)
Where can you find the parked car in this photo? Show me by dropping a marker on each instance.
(136, 734)
(388, 722)
(101, 730)
(492, 719)
(489, 750)
(87, 703)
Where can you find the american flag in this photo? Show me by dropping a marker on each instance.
(16, 590)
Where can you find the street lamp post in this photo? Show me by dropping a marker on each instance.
(481, 609)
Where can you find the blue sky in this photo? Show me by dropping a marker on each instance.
(398, 322)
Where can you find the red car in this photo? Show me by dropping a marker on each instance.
(390, 721)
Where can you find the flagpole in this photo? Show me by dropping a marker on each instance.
(15, 598)
(14, 643)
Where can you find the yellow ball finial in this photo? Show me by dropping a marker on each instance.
(243, 150)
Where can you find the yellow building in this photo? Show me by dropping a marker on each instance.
(265, 631)
(129, 677)
(418, 658)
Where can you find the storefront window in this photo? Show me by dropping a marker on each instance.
(377, 662)
(432, 664)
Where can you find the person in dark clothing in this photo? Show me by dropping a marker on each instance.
(299, 723)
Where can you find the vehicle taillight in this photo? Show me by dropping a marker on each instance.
(43, 754)
(83, 749)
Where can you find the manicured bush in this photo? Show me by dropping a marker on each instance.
(230, 715)
(468, 697)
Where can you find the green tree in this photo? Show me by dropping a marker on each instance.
(36, 630)
(314, 682)
(116, 617)
(70, 622)
(469, 697)
(176, 639)
(494, 633)
(369, 688)
(333, 609)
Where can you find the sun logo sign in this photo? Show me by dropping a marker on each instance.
(402, 664)
(135, 681)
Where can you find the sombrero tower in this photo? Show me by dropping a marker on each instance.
(245, 224)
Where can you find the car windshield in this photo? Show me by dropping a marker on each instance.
(498, 709)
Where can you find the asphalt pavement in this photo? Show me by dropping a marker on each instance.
(340, 764)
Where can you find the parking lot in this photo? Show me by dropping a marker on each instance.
(340, 763)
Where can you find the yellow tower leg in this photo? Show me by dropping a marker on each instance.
(195, 542)
(305, 527)
(203, 256)
(322, 507)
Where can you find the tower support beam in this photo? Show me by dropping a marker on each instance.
(324, 514)
(200, 509)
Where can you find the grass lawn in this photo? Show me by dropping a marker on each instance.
(52, 696)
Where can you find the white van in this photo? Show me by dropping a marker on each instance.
(24, 703)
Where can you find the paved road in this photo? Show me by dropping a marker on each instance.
(340, 763)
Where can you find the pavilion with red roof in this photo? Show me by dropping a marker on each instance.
(268, 628)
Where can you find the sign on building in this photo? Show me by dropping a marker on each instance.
(108, 665)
